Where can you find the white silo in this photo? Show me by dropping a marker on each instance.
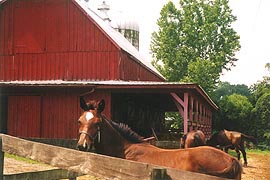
(122, 23)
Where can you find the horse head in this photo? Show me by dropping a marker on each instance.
(192, 139)
(89, 123)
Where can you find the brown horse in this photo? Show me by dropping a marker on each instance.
(118, 140)
(233, 140)
(193, 138)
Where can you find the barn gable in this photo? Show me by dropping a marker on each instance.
(51, 40)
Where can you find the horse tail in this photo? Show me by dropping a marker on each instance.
(234, 171)
(198, 140)
(250, 138)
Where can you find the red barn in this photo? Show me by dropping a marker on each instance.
(51, 52)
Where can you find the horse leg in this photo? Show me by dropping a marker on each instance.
(238, 153)
(242, 149)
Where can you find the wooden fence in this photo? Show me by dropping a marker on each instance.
(90, 163)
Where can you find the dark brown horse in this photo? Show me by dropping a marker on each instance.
(231, 140)
(118, 140)
(193, 138)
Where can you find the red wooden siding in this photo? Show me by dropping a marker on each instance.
(53, 40)
(65, 66)
(6, 28)
(55, 26)
(48, 40)
(51, 115)
(132, 70)
(59, 115)
(24, 116)
(28, 27)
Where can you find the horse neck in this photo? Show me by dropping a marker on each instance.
(111, 142)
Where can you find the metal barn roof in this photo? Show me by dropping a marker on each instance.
(117, 37)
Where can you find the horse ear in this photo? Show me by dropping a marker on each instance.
(101, 105)
(83, 104)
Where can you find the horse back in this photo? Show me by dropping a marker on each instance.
(194, 139)
(234, 137)
(203, 159)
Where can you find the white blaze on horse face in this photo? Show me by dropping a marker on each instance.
(89, 116)
(84, 143)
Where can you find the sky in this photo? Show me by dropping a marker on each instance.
(253, 26)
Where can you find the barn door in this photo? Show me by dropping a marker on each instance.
(24, 116)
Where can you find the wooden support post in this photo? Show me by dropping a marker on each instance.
(159, 174)
(185, 113)
(1, 160)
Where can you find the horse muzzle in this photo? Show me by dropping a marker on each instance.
(84, 148)
(85, 142)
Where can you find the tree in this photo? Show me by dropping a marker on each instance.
(261, 112)
(234, 113)
(260, 88)
(225, 89)
(195, 42)
(262, 115)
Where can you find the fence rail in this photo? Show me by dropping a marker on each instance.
(91, 163)
(48, 174)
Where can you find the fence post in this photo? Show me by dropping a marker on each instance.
(1, 160)
(159, 174)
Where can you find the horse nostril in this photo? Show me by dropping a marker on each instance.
(78, 146)
(81, 148)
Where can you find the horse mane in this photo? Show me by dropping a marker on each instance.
(125, 131)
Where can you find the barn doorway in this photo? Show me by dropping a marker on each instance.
(143, 112)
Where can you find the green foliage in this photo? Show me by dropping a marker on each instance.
(204, 73)
(226, 89)
(261, 112)
(195, 42)
(260, 88)
(173, 120)
(235, 113)
(262, 115)
(266, 135)
(258, 151)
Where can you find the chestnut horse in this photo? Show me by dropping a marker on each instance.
(118, 140)
(193, 138)
(233, 140)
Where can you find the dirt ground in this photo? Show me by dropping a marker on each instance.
(258, 167)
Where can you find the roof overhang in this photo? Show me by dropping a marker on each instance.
(120, 87)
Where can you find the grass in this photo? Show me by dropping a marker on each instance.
(258, 151)
(253, 151)
(18, 158)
